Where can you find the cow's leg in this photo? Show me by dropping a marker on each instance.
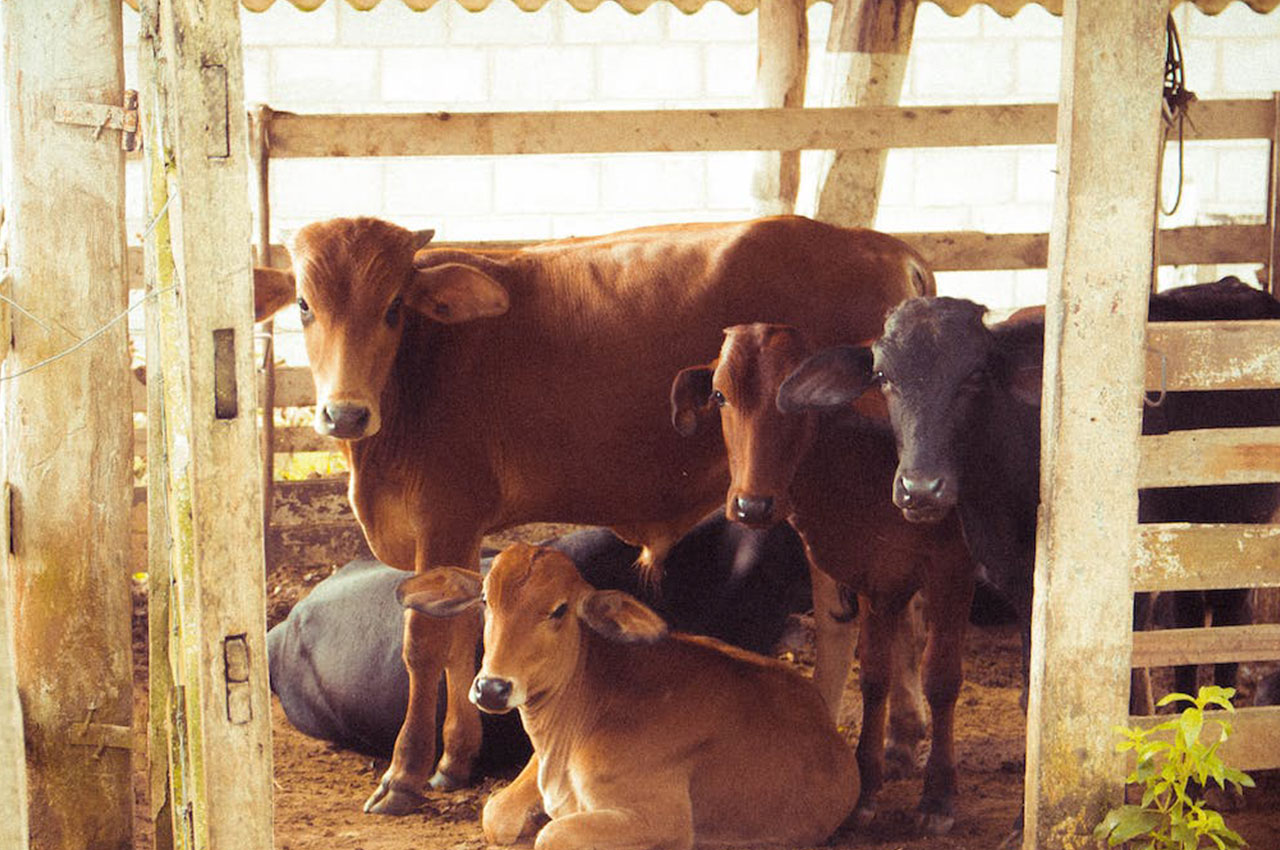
(513, 812)
(835, 637)
(665, 824)
(908, 722)
(947, 612)
(1188, 613)
(1140, 697)
(430, 646)
(1230, 608)
(875, 652)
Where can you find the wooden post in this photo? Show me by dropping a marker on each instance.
(867, 49)
(1100, 264)
(68, 425)
(783, 44)
(202, 355)
(267, 436)
(1273, 204)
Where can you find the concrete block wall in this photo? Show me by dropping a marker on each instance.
(392, 59)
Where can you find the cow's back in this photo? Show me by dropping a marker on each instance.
(576, 376)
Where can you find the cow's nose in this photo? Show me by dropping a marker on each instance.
(345, 421)
(923, 488)
(753, 510)
(924, 498)
(491, 694)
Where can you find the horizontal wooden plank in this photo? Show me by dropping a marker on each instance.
(1213, 355)
(316, 545)
(1210, 456)
(1168, 647)
(1255, 740)
(311, 501)
(612, 131)
(1183, 556)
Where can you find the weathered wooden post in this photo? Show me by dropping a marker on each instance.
(866, 62)
(201, 367)
(1100, 268)
(68, 425)
(13, 761)
(783, 49)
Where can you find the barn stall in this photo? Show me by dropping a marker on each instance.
(198, 352)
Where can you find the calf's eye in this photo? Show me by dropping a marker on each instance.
(560, 610)
(393, 312)
(718, 398)
(305, 309)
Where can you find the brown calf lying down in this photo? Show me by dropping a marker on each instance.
(471, 392)
(641, 738)
(828, 478)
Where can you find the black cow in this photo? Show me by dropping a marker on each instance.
(335, 660)
(964, 403)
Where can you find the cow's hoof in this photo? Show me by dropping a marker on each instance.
(863, 816)
(934, 823)
(1013, 840)
(388, 800)
(444, 782)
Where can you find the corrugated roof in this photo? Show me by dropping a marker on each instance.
(1006, 8)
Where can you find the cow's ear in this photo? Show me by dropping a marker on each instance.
(621, 617)
(1025, 382)
(827, 380)
(440, 592)
(456, 292)
(421, 238)
(691, 398)
(273, 289)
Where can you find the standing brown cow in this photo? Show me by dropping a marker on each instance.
(472, 392)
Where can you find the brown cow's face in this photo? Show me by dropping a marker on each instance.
(764, 445)
(355, 281)
(537, 606)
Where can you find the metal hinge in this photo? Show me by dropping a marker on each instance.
(103, 116)
(100, 736)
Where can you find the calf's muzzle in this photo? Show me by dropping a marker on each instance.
(923, 497)
(491, 694)
(344, 420)
(752, 510)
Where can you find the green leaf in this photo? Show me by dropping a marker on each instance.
(1132, 821)
(1174, 697)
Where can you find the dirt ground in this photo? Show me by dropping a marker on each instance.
(319, 789)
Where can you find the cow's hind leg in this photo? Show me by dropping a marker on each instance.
(908, 722)
(620, 829)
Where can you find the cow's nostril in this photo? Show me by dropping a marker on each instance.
(491, 694)
(753, 509)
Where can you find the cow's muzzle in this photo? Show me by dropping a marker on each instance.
(491, 694)
(344, 420)
(923, 497)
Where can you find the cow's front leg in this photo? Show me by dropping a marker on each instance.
(512, 812)
(875, 649)
(908, 722)
(461, 733)
(835, 637)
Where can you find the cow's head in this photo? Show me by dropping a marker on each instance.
(764, 445)
(356, 285)
(537, 605)
(934, 362)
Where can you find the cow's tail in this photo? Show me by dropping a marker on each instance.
(921, 276)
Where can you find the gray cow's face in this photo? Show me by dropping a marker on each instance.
(932, 363)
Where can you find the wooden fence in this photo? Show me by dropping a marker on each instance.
(312, 524)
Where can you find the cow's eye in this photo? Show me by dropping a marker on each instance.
(718, 398)
(560, 610)
(974, 381)
(393, 312)
(305, 309)
(878, 378)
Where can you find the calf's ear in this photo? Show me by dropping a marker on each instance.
(456, 292)
(830, 379)
(691, 398)
(440, 592)
(621, 617)
(1025, 383)
(273, 289)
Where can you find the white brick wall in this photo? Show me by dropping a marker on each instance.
(393, 59)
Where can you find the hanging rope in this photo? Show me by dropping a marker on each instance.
(1176, 100)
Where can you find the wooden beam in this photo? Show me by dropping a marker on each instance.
(1255, 740)
(1169, 647)
(1100, 269)
(1210, 456)
(783, 44)
(13, 761)
(866, 64)
(1213, 355)
(261, 137)
(1273, 206)
(1182, 556)
(205, 378)
(67, 424)
(628, 131)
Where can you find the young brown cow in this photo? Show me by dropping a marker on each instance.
(828, 479)
(475, 392)
(640, 738)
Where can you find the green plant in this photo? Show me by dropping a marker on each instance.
(1173, 766)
